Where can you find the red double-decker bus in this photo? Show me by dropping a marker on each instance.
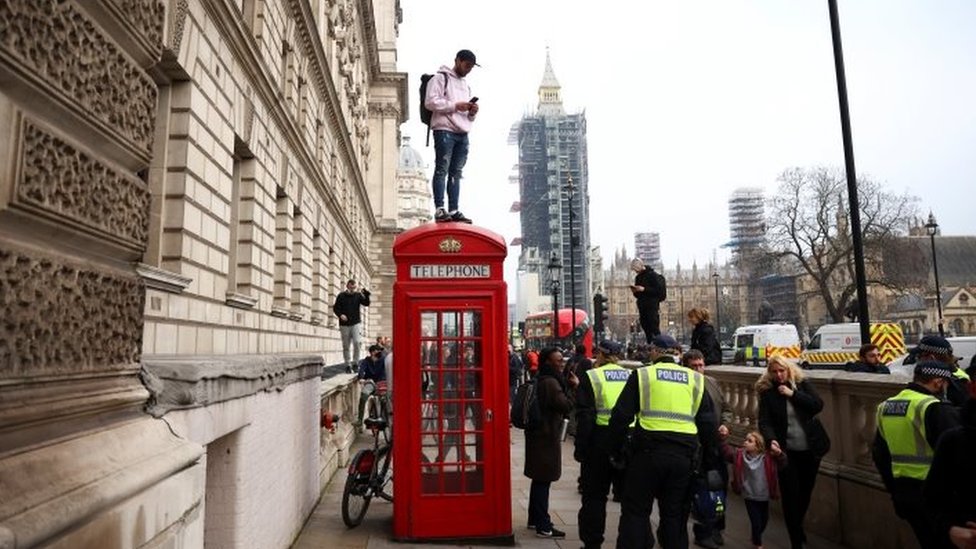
(539, 333)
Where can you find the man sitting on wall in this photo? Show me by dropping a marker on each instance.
(371, 367)
(870, 361)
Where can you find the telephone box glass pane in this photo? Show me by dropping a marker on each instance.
(452, 407)
(472, 324)
(449, 324)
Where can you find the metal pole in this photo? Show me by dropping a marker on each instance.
(572, 261)
(718, 310)
(855, 213)
(554, 332)
(938, 290)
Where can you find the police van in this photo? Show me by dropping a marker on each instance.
(834, 345)
(752, 344)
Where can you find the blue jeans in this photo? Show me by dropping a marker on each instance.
(451, 153)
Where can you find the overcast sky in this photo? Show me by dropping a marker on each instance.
(687, 100)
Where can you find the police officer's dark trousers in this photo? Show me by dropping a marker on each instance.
(663, 473)
(596, 475)
(906, 494)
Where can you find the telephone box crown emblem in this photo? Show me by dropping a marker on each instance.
(450, 245)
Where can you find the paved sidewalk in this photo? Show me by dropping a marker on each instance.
(325, 529)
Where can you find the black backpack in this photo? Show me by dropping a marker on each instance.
(662, 286)
(425, 113)
(526, 412)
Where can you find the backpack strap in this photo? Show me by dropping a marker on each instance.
(428, 125)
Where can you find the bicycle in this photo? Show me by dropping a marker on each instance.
(370, 471)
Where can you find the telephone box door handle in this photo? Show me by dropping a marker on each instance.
(489, 414)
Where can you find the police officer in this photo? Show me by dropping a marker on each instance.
(909, 425)
(674, 415)
(938, 348)
(595, 397)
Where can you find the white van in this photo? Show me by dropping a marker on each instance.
(753, 343)
(837, 344)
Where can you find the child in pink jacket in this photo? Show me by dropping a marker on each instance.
(755, 477)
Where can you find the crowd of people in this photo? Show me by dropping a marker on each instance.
(662, 432)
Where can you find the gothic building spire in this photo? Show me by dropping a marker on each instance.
(550, 96)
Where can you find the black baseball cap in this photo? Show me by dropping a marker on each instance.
(467, 55)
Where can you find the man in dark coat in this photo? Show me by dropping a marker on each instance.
(543, 444)
(870, 361)
(661, 459)
(915, 418)
(703, 338)
(708, 527)
(648, 293)
(949, 488)
(938, 348)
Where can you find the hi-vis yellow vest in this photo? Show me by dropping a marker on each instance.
(608, 382)
(670, 396)
(901, 422)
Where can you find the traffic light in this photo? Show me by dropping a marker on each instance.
(600, 313)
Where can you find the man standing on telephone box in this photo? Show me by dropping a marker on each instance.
(674, 416)
(452, 112)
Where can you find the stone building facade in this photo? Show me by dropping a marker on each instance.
(186, 185)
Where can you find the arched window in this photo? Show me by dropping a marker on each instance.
(957, 326)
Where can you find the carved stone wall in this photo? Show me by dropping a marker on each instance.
(58, 318)
(78, 112)
(56, 43)
(68, 183)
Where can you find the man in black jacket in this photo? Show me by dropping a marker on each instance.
(597, 393)
(647, 290)
(909, 427)
(949, 488)
(870, 361)
(938, 348)
(346, 307)
(665, 446)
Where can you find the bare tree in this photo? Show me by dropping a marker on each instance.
(808, 226)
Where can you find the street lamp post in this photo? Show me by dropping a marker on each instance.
(718, 308)
(572, 256)
(555, 270)
(933, 228)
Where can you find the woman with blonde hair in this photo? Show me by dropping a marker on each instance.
(788, 408)
(703, 336)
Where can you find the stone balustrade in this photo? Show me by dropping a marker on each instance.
(339, 395)
(850, 505)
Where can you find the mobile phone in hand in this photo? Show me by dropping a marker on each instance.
(473, 100)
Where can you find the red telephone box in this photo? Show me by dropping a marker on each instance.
(451, 440)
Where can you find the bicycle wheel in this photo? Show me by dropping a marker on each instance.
(384, 487)
(355, 500)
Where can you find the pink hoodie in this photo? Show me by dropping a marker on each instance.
(441, 101)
